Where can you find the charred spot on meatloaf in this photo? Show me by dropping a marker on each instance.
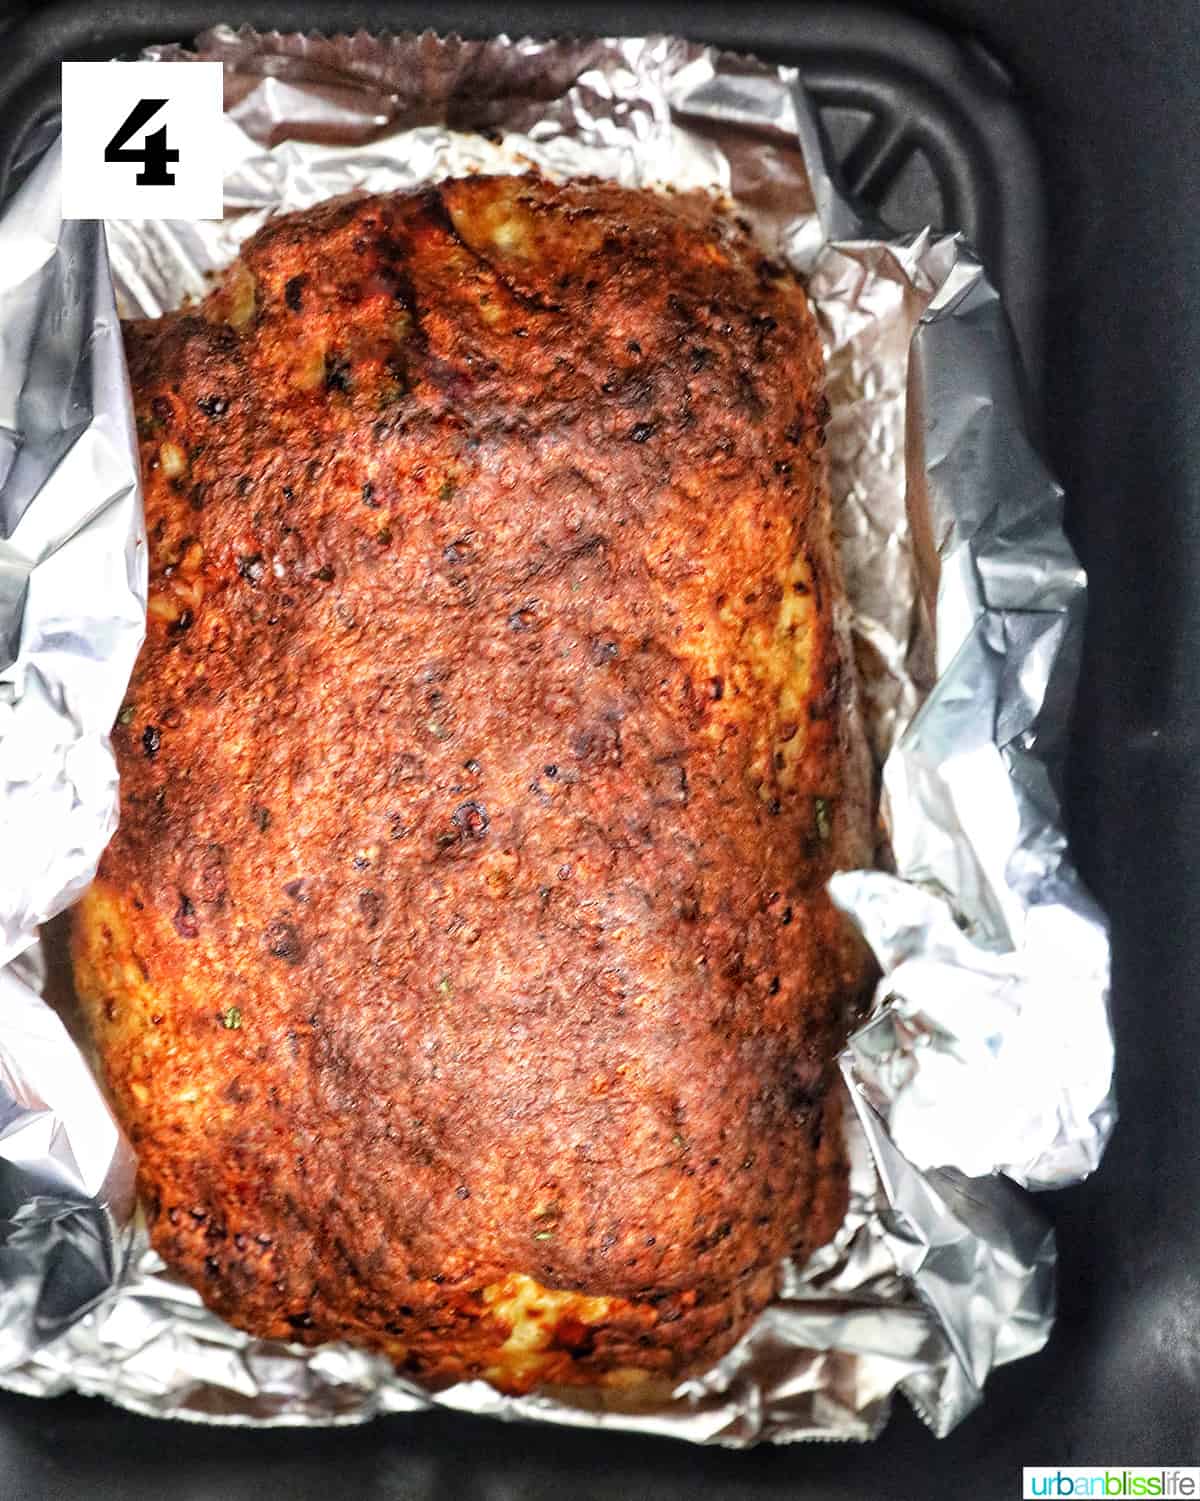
(462, 967)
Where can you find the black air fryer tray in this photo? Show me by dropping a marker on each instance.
(926, 130)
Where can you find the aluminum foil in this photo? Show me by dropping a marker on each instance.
(986, 1061)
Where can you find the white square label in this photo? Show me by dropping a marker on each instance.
(142, 140)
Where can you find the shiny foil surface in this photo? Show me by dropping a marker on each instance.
(986, 1061)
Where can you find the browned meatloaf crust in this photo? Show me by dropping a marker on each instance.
(461, 967)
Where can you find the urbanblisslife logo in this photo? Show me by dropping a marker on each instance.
(1109, 1480)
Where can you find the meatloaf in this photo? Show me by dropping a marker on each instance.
(462, 968)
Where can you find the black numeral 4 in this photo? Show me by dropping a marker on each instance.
(153, 153)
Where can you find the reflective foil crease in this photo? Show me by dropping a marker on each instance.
(986, 1061)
